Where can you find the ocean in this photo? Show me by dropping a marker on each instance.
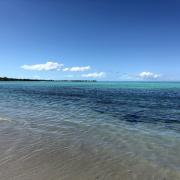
(89, 131)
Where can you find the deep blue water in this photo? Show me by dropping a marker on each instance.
(133, 105)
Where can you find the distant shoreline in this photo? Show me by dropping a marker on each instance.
(18, 79)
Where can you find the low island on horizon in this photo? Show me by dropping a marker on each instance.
(27, 79)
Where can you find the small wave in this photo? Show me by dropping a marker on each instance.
(2, 119)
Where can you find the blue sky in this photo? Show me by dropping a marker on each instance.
(90, 39)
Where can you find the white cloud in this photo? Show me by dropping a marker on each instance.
(149, 75)
(77, 68)
(43, 67)
(94, 75)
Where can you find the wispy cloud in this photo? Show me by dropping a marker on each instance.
(36, 77)
(127, 77)
(149, 75)
(69, 76)
(94, 75)
(48, 66)
(77, 68)
(145, 75)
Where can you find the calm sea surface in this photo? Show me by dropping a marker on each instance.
(89, 131)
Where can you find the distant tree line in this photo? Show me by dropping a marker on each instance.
(17, 79)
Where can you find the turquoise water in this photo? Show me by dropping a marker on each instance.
(102, 130)
(101, 84)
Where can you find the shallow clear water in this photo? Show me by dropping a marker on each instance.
(88, 131)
